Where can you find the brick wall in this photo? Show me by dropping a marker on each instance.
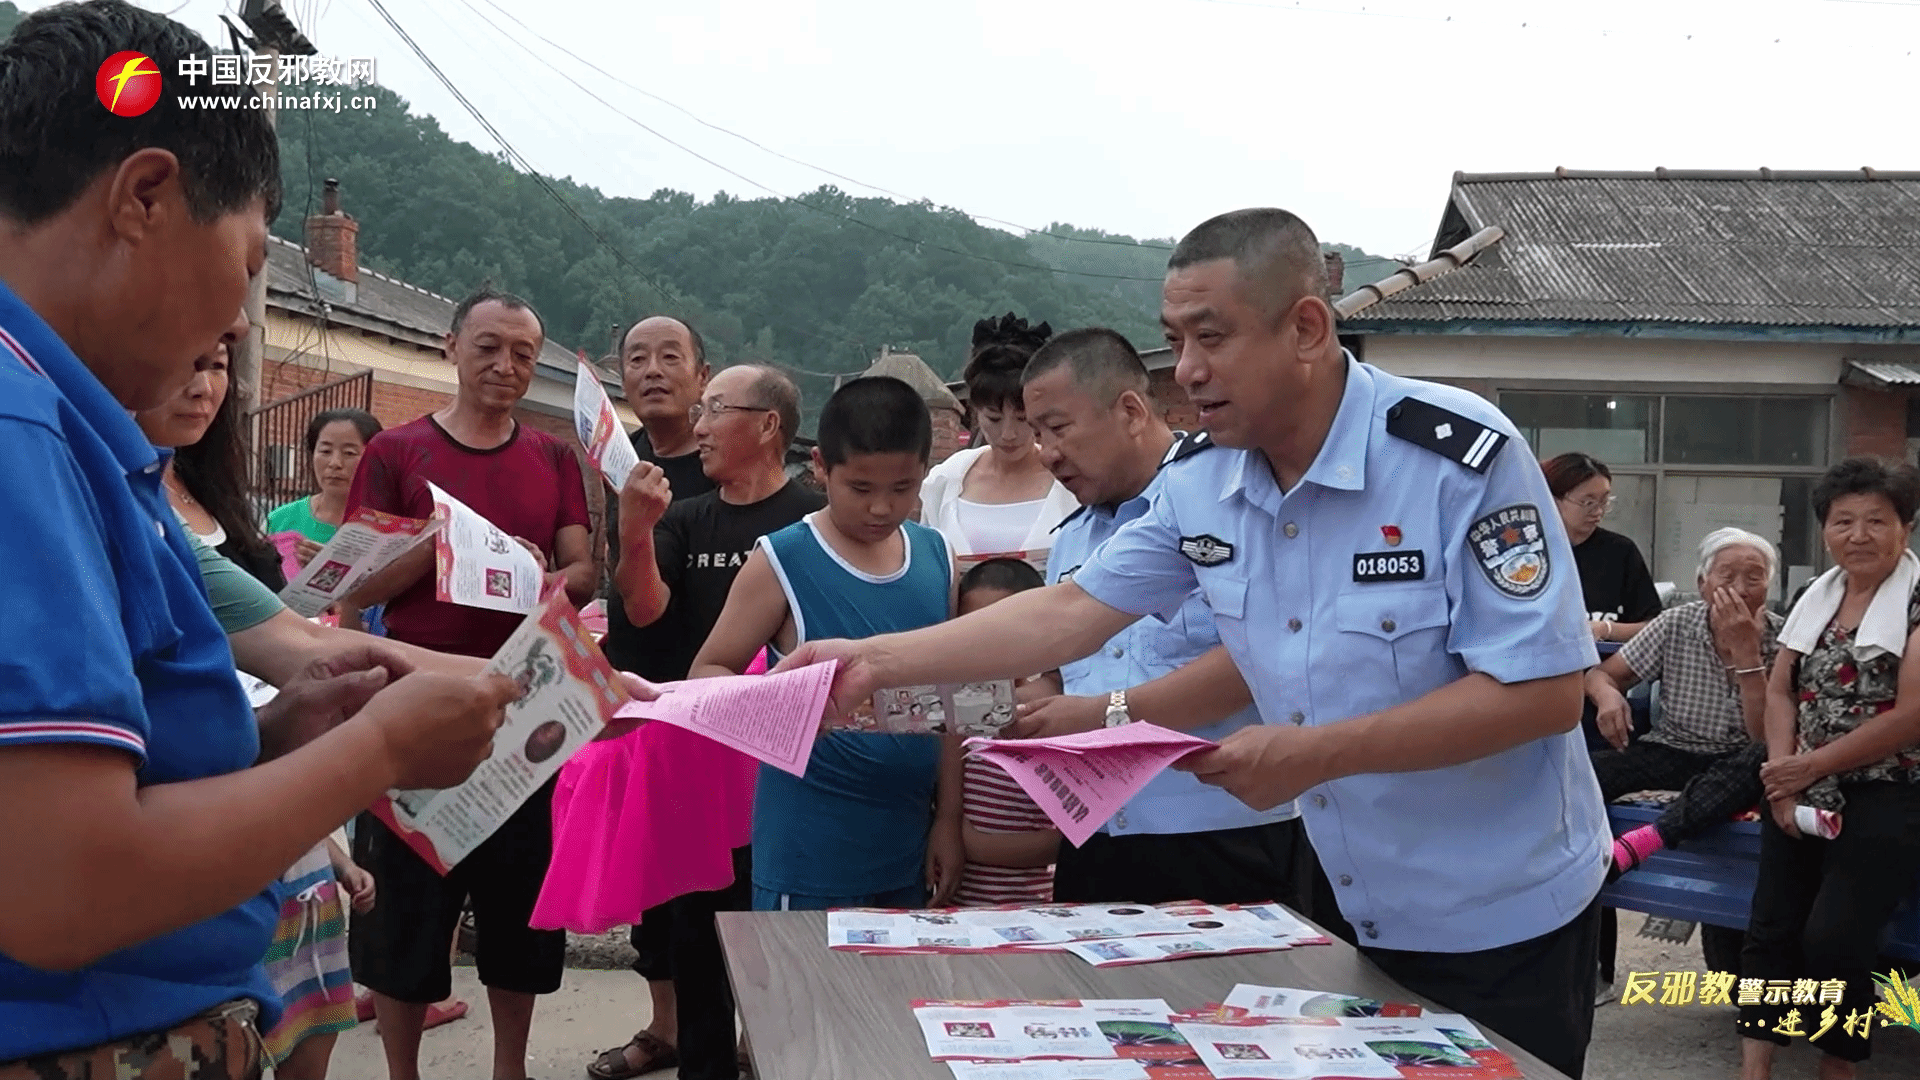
(1874, 422)
(283, 379)
(947, 429)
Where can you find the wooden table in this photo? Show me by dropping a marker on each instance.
(812, 1013)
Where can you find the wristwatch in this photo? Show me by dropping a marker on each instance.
(1117, 709)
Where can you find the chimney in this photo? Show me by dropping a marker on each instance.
(333, 247)
(1336, 274)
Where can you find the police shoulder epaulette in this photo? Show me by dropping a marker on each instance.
(1445, 432)
(1185, 446)
(1081, 509)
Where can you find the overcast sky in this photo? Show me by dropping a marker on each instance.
(1147, 116)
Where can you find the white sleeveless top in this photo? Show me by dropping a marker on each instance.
(994, 527)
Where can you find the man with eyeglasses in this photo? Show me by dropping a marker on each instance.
(678, 558)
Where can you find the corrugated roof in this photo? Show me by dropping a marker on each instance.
(1837, 250)
(382, 304)
(1879, 373)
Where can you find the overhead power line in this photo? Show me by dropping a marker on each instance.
(781, 195)
(513, 154)
(644, 92)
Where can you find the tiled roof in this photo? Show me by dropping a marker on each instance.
(383, 304)
(1765, 249)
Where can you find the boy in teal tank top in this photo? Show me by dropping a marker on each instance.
(875, 822)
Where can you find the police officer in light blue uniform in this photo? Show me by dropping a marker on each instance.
(1385, 566)
(1088, 399)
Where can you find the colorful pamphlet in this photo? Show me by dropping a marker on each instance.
(599, 428)
(980, 708)
(772, 718)
(568, 693)
(366, 543)
(479, 565)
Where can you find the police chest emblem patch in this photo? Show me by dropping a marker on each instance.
(1206, 549)
(1390, 566)
(1511, 548)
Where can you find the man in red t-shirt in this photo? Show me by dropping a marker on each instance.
(528, 484)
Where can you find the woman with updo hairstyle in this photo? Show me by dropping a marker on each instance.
(997, 498)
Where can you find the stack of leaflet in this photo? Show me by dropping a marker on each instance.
(1104, 935)
(1281, 1034)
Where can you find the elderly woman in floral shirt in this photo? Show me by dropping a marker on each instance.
(1843, 737)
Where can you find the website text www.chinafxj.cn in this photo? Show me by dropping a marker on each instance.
(283, 83)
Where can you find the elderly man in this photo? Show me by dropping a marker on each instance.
(676, 566)
(663, 369)
(1712, 658)
(141, 824)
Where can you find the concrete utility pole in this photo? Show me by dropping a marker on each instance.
(273, 34)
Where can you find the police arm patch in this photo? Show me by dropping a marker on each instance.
(1206, 549)
(1510, 547)
(1446, 433)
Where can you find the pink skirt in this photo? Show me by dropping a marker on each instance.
(642, 819)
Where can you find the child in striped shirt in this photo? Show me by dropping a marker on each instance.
(1010, 843)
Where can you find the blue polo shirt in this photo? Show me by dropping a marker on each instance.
(107, 639)
(1174, 801)
(1421, 545)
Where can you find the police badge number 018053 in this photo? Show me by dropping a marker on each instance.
(1510, 545)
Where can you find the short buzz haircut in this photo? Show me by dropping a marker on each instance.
(1008, 575)
(693, 336)
(773, 390)
(56, 139)
(874, 414)
(485, 294)
(1101, 361)
(1277, 255)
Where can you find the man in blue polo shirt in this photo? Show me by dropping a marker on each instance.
(1088, 400)
(139, 839)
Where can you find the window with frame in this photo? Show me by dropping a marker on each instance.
(1686, 464)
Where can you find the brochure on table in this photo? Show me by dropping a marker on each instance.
(1212, 1044)
(1190, 929)
(366, 543)
(568, 693)
(1360, 1048)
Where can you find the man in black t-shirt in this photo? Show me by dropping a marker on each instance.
(678, 559)
(663, 368)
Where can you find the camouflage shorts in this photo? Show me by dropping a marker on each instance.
(221, 1044)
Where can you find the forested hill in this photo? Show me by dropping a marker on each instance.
(816, 284)
(819, 283)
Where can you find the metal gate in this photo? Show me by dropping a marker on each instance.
(281, 471)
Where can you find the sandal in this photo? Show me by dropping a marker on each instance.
(443, 1013)
(613, 1065)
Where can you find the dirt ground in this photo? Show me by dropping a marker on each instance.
(602, 1003)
